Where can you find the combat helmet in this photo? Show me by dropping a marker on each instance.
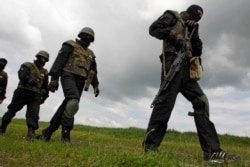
(87, 30)
(43, 54)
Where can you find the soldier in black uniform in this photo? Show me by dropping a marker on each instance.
(32, 90)
(72, 65)
(3, 79)
(170, 27)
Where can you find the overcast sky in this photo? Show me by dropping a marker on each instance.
(128, 58)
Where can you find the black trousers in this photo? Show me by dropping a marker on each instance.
(161, 113)
(72, 88)
(21, 98)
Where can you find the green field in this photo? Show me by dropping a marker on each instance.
(109, 147)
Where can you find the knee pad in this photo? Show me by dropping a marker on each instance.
(201, 105)
(71, 108)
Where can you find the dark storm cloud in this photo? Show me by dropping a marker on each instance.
(127, 56)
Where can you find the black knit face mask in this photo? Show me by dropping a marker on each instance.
(195, 12)
(2, 66)
(86, 39)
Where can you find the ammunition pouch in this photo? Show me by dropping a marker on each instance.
(90, 77)
(195, 68)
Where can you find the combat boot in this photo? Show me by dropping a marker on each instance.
(31, 134)
(221, 157)
(46, 134)
(65, 136)
(6, 119)
(2, 130)
(3, 126)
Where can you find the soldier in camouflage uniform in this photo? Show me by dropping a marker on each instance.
(170, 27)
(32, 90)
(72, 65)
(3, 79)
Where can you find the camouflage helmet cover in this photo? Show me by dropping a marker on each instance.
(43, 54)
(87, 30)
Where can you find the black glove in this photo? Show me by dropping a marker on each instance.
(53, 85)
(32, 82)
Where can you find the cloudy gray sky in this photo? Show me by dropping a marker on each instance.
(127, 57)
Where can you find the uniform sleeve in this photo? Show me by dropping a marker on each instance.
(161, 28)
(45, 89)
(197, 44)
(60, 61)
(95, 81)
(24, 74)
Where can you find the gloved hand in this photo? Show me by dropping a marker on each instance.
(53, 85)
(32, 82)
(192, 23)
(96, 91)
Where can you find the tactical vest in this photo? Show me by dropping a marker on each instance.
(80, 60)
(37, 74)
(169, 45)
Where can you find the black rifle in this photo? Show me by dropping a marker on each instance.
(175, 67)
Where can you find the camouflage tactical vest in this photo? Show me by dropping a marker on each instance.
(37, 74)
(80, 60)
(169, 45)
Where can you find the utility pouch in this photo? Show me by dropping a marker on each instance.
(195, 68)
(89, 80)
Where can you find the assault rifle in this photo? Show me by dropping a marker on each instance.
(175, 67)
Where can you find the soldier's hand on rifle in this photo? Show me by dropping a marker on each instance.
(53, 85)
(192, 23)
(96, 91)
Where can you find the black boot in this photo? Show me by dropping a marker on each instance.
(2, 130)
(65, 135)
(46, 134)
(4, 124)
(31, 134)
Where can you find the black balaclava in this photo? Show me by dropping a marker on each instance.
(40, 62)
(85, 40)
(193, 12)
(3, 63)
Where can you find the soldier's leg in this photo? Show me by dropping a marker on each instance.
(159, 118)
(71, 109)
(72, 87)
(55, 122)
(16, 104)
(32, 115)
(205, 128)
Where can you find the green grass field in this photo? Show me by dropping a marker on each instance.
(109, 147)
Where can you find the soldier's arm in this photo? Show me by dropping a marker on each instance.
(161, 28)
(60, 61)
